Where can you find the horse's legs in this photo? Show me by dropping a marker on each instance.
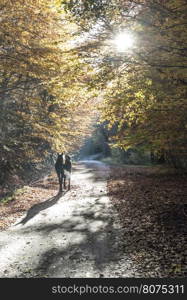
(60, 181)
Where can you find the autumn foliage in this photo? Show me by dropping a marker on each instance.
(58, 63)
(43, 95)
(144, 88)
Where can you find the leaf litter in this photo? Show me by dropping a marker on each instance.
(152, 208)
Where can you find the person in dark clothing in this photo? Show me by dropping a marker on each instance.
(67, 171)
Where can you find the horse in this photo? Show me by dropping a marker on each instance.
(63, 170)
(60, 170)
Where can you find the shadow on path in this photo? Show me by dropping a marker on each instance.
(84, 243)
(35, 209)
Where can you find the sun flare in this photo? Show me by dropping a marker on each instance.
(124, 41)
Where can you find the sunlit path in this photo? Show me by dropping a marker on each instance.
(77, 235)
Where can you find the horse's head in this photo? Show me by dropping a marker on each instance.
(60, 154)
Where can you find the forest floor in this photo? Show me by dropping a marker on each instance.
(152, 207)
(114, 222)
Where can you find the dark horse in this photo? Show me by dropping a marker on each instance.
(59, 170)
(63, 170)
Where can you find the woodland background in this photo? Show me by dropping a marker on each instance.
(63, 86)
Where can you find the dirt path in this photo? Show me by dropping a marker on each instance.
(75, 234)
